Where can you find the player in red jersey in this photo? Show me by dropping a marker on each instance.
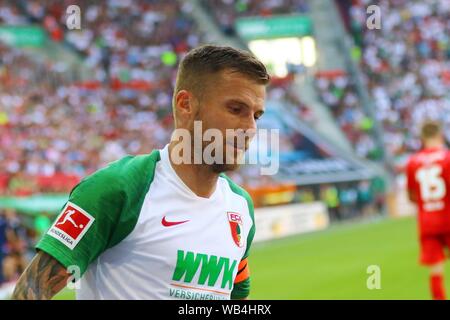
(428, 174)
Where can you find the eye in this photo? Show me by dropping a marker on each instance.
(235, 109)
(257, 116)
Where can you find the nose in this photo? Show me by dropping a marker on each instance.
(250, 123)
(249, 127)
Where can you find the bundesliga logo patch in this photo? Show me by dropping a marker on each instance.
(235, 221)
(71, 225)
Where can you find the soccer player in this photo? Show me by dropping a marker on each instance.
(152, 227)
(428, 175)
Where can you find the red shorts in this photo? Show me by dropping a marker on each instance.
(432, 248)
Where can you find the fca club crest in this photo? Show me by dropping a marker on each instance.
(236, 227)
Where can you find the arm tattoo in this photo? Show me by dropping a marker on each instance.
(42, 279)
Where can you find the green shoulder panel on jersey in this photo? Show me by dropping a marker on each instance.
(113, 196)
(241, 289)
(240, 191)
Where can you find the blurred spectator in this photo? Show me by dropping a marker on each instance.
(365, 198)
(348, 196)
(330, 196)
(305, 195)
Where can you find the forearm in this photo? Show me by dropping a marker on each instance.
(41, 280)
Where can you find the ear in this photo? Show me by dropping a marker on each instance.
(182, 101)
(186, 108)
(183, 106)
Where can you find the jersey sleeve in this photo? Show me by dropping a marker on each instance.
(410, 182)
(446, 174)
(241, 288)
(86, 223)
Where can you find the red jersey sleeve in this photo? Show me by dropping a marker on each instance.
(446, 172)
(410, 172)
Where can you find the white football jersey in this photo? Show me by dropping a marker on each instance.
(136, 231)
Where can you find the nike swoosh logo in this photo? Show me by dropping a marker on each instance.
(166, 223)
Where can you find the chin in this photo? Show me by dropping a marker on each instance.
(219, 168)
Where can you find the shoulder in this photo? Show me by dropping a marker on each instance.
(131, 166)
(114, 194)
(237, 189)
(447, 154)
(412, 160)
(126, 175)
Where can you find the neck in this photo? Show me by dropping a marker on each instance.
(432, 144)
(197, 177)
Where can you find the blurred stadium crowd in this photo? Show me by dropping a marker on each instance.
(337, 91)
(59, 130)
(406, 66)
(16, 242)
(54, 130)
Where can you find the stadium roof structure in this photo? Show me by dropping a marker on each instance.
(314, 159)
